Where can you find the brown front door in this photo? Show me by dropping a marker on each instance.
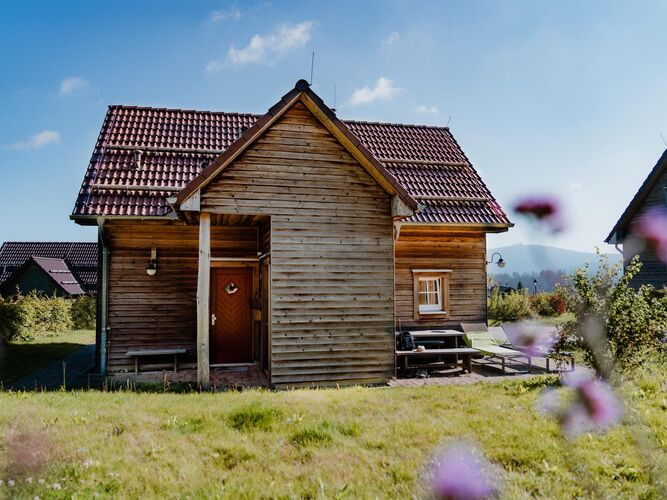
(231, 305)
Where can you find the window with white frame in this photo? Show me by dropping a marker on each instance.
(430, 294)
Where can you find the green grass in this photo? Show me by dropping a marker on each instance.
(21, 358)
(352, 442)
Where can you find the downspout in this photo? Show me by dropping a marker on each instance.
(104, 297)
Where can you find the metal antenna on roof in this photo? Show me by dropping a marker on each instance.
(312, 64)
(334, 103)
(449, 120)
(663, 139)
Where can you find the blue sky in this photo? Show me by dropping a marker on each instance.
(566, 98)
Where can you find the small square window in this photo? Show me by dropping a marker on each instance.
(430, 294)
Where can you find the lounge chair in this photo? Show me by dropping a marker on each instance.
(547, 354)
(484, 342)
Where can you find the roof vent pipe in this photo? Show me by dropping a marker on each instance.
(137, 158)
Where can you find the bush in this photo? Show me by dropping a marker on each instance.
(509, 307)
(26, 316)
(84, 311)
(548, 304)
(622, 323)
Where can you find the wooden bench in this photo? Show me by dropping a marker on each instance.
(465, 352)
(139, 353)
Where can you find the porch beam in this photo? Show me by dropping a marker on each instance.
(203, 294)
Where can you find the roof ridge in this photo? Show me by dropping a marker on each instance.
(181, 110)
(396, 124)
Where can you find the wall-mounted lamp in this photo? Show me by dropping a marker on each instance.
(151, 268)
(501, 261)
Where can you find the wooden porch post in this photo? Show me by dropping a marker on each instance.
(203, 294)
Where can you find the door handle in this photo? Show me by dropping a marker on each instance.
(213, 318)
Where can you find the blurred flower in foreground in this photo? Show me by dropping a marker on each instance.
(26, 451)
(532, 337)
(651, 229)
(545, 209)
(461, 473)
(594, 407)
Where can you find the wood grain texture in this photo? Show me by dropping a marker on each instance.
(331, 246)
(160, 311)
(427, 248)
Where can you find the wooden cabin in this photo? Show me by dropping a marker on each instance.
(652, 193)
(291, 240)
(64, 269)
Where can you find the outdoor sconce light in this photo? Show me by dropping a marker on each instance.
(151, 268)
(501, 261)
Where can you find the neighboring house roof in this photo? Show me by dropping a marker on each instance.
(620, 230)
(59, 272)
(176, 145)
(80, 259)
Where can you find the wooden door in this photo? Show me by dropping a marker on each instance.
(231, 305)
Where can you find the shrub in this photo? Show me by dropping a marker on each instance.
(548, 304)
(26, 316)
(622, 323)
(84, 311)
(509, 307)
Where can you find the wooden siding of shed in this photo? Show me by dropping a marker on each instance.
(331, 252)
(160, 311)
(654, 271)
(428, 248)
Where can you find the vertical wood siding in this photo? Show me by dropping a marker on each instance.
(463, 253)
(160, 311)
(331, 252)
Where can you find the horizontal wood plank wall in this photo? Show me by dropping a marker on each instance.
(331, 252)
(426, 248)
(160, 311)
(653, 271)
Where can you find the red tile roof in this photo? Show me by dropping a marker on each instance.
(426, 161)
(80, 258)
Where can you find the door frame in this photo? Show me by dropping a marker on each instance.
(242, 262)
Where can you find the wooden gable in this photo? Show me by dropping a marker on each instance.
(331, 251)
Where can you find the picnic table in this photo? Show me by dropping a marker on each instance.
(464, 353)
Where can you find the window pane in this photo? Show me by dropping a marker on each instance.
(430, 298)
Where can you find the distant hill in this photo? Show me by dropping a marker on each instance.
(531, 259)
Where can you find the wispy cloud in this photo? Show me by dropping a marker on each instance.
(37, 141)
(390, 40)
(383, 90)
(426, 110)
(72, 85)
(575, 186)
(231, 14)
(268, 48)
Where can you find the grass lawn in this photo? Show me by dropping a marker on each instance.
(21, 358)
(352, 442)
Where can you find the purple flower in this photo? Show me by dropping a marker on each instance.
(531, 337)
(651, 228)
(545, 209)
(461, 473)
(593, 408)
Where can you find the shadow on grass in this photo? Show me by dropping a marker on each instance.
(19, 360)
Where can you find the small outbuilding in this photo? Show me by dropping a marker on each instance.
(63, 269)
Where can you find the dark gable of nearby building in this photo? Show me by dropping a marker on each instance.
(652, 193)
(63, 268)
(293, 240)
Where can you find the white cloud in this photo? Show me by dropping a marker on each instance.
(575, 186)
(231, 14)
(393, 38)
(267, 48)
(383, 90)
(37, 141)
(72, 84)
(426, 110)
